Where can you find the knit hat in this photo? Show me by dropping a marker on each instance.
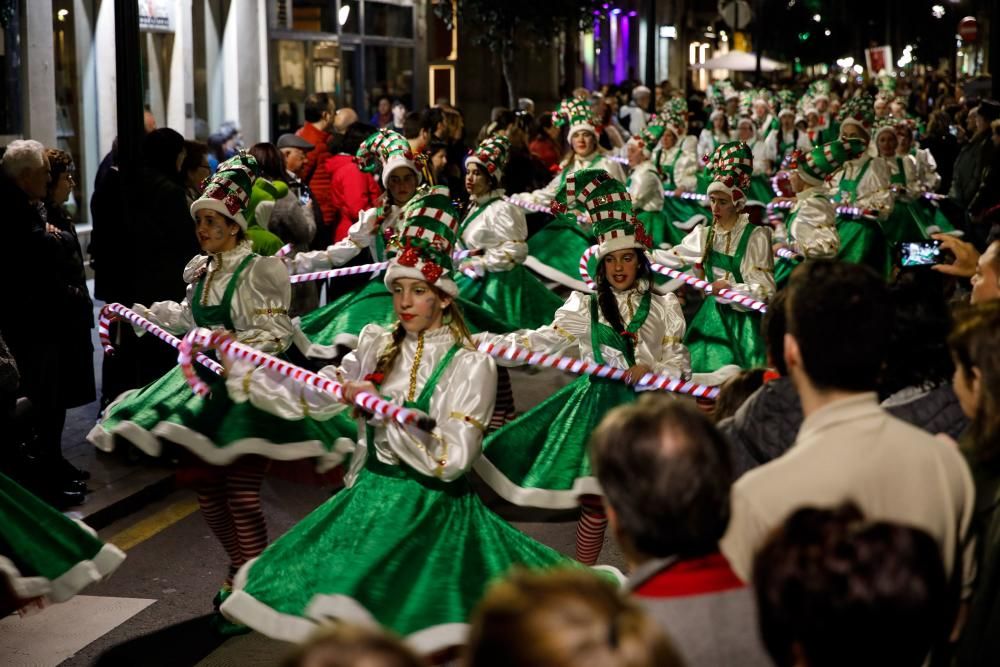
(609, 207)
(491, 155)
(884, 124)
(858, 111)
(389, 149)
(650, 136)
(228, 190)
(262, 198)
(578, 114)
(430, 227)
(821, 162)
(731, 166)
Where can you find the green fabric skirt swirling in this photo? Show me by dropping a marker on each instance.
(515, 297)
(46, 552)
(372, 304)
(911, 220)
(546, 447)
(661, 224)
(413, 551)
(218, 418)
(864, 242)
(719, 335)
(760, 189)
(559, 246)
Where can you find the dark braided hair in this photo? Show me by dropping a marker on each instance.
(606, 294)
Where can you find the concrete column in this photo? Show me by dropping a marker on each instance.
(157, 80)
(244, 74)
(180, 99)
(39, 67)
(91, 152)
(105, 74)
(215, 17)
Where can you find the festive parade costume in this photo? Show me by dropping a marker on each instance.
(44, 554)
(408, 543)
(723, 334)
(540, 459)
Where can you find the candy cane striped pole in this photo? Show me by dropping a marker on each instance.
(204, 339)
(846, 211)
(116, 311)
(284, 250)
(619, 159)
(674, 194)
(337, 273)
(538, 208)
(580, 367)
(785, 253)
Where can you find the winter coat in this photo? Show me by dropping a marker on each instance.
(936, 410)
(109, 240)
(351, 191)
(293, 223)
(315, 173)
(764, 427)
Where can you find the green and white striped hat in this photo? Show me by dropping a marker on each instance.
(430, 227)
(228, 191)
(821, 162)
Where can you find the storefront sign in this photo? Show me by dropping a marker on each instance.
(156, 16)
(879, 58)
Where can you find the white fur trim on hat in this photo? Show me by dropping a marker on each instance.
(850, 120)
(497, 174)
(716, 114)
(397, 271)
(578, 127)
(787, 111)
(220, 208)
(607, 243)
(399, 161)
(738, 202)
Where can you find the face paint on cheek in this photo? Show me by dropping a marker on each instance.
(218, 231)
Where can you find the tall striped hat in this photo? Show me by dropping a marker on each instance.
(578, 114)
(387, 150)
(430, 227)
(731, 166)
(609, 207)
(491, 155)
(651, 134)
(228, 191)
(821, 162)
(859, 111)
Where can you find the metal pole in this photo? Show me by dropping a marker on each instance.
(994, 47)
(758, 32)
(130, 111)
(651, 44)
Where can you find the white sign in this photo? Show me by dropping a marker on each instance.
(156, 16)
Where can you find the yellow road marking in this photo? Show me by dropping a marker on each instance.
(145, 529)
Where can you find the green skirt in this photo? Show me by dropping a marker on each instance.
(515, 297)
(540, 459)
(407, 551)
(664, 231)
(45, 554)
(863, 242)
(554, 252)
(760, 189)
(341, 321)
(216, 429)
(912, 221)
(783, 270)
(719, 335)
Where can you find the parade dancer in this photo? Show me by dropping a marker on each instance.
(540, 458)
(408, 543)
(786, 138)
(646, 189)
(554, 251)
(763, 161)
(334, 328)
(227, 445)
(496, 232)
(712, 137)
(926, 177)
(810, 229)
(732, 253)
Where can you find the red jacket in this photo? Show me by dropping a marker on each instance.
(546, 151)
(351, 191)
(314, 172)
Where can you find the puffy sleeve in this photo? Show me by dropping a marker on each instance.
(804, 144)
(172, 316)
(571, 323)
(358, 237)
(815, 229)
(508, 223)
(704, 143)
(927, 169)
(462, 407)
(757, 266)
(874, 187)
(686, 170)
(261, 307)
(685, 254)
(646, 191)
(674, 359)
(613, 168)
(275, 394)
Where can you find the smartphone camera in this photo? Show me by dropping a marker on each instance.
(919, 253)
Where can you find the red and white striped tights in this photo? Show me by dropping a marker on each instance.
(231, 506)
(590, 528)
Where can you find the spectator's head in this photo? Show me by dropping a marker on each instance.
(319, 110)
(62, 174)
(270, 161)
(455, 125)
(195, 169)
(773, 326)
(294, 149)
(939, 124)
(343, 645)
(344, 118)
(987, 112)
(432, 121)
(163, 151)
(735, 390)
(986, 281)
(641, 96)
(833, 307)
(148, 120)
(563, 618)
(437, 152)
(918, 340)
(975, 346)
(413, 130)
(833, 590)
(666, 472)
(25, 164)
(384, 105)
(995, 127)
(355, 135)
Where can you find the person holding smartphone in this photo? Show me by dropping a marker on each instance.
(982, 269)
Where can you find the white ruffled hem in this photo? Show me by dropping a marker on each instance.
(69, 583)
(532, 497)
(549, 273)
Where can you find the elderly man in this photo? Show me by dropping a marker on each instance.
(634, 116)
(29, 323)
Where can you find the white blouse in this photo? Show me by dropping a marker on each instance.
(360, 235)
(499, 232)
(686, 167)
(259, 309)
(645, 188)
(660, 340)
(814, 226)
(708, 141)
(462, 403)
(873, 190)
(757, 265)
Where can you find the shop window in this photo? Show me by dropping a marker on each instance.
(11, 122)
(388, 20)
(389, 73)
